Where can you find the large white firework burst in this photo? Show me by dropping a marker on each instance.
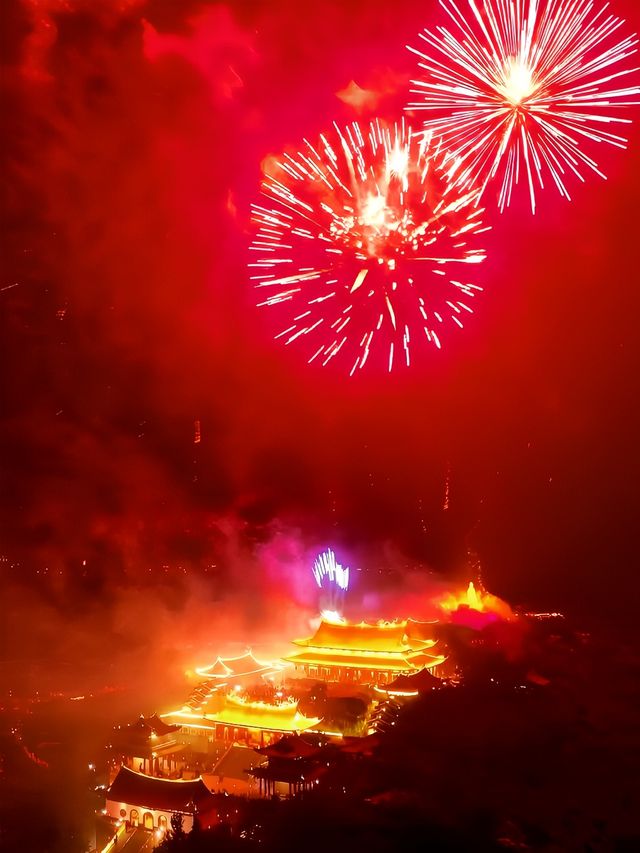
(364, 246)
(526, 86)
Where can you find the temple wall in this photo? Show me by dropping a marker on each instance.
(116, 809)
(348, 675)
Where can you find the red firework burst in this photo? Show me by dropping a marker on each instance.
(362, 246)
(525, 86)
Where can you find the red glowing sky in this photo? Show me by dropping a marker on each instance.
(135, 136)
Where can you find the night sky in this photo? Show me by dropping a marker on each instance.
(134, 134)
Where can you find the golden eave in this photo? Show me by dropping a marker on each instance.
(249, 715)
(379, 661)
(387, 637)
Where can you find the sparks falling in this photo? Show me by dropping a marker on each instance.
(525, 87)
(364, 244)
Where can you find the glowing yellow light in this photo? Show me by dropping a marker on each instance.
(478, 600)
(398, 161)
(359, 279)
(473, 598)
(333, 616)
(470, 597)
(374, 211)
(518, 83)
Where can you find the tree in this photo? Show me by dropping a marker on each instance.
(177, 830)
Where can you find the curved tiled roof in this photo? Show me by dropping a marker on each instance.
(236, 762)
(383, 661)
(251, 715)
(227, 668)
(392, 637)
(218, 669)
(289, 746)
(408, 683)
(136, 789)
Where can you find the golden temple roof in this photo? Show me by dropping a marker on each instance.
(390, 637)
(246, 714)
(242, 665)
(386, 662)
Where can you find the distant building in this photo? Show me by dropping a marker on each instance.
(243, 670)
(297, 763)
(150, 746)
(149, 802)
(366, 653)
(408, 686)
(292, 767)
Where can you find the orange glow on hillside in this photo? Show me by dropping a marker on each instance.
(478, 600)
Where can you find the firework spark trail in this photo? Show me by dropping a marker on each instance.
(362, 245)
(520, 86)
(326, 565)
(333, 579)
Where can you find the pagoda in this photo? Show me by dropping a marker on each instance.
(366, 653)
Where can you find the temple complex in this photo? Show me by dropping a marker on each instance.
(240, 731)
(366, 653)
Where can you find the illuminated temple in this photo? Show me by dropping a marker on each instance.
(234, 719)
(240, 712)
(218, 711)
(367, 653)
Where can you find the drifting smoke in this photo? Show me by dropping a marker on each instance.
(134, 138)
(134, 159)
(147, 631)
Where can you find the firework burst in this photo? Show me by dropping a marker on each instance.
(333, 580)
(326, 566)
(525, 87)
(363, 245)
